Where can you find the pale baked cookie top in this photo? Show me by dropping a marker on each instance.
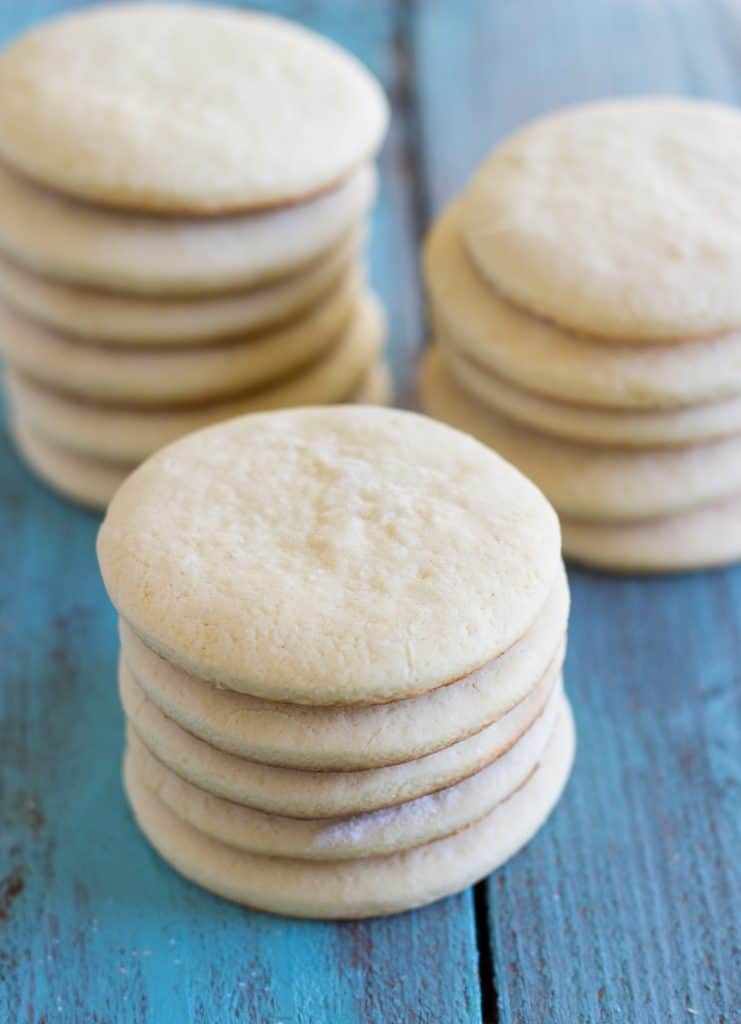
(185, 108)
(621, 219)
(322, 555)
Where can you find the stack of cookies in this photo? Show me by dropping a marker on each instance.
(587, 311)
(342, 636)
(183, 199)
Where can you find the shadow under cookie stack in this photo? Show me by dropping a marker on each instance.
(182, 222)
(342, 635)
(586, 311)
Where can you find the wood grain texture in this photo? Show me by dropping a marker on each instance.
(626, 907)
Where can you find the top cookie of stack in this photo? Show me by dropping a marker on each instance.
(183, 193)
(585, 301)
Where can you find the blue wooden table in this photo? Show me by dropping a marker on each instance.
(625, 908)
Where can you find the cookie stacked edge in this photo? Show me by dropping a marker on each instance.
(586, 320)
(342, 679)
(182, 221)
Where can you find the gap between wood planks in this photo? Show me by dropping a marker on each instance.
(489, 1004)
(406, 102)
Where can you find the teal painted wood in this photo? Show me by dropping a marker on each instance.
(626, 907)
(94, 929)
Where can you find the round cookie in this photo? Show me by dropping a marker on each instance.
(621, 219)
(365, 835)
(86, 480)
(157, 256)
(470, 315)
(592, 424)
(586, 482)
(185, 108)
(296, 793)
(702, 538)
(113, 318)
(364, 888)
(166, 375)
(131, 433)
(408, 553)
(351, 738)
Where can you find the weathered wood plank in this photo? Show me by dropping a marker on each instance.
(626, 908)
(93, 927)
